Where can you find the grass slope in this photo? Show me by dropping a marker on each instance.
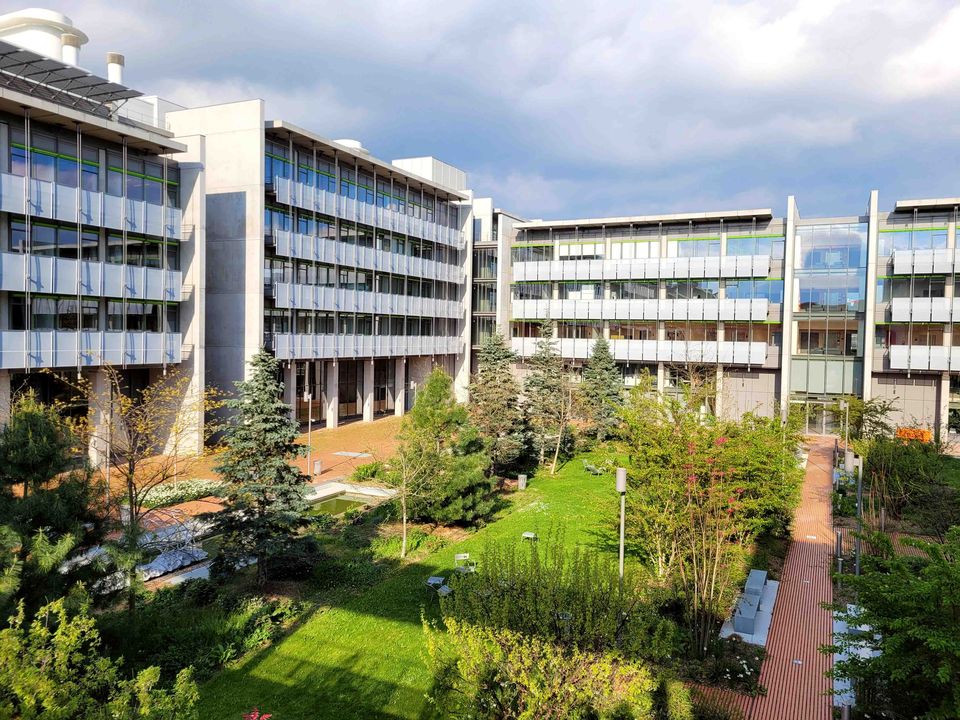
(365, 658)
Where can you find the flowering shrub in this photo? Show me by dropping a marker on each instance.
(180, 491)
(920, 434)
(255, 714)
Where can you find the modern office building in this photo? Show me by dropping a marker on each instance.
(348, 268)
(784, 310)
(101, 233)
(144, 234)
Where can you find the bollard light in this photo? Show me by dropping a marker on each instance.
(621, 480)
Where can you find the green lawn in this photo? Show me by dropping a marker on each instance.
(364, 658)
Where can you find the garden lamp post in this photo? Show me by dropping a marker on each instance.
(622, 489)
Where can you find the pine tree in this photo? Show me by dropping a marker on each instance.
(495, 404)
(602, 390)
(440, 467)
(547, 395)
(265, 496)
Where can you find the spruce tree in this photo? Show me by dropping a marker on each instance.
(265, 496)
(547, 395)
(495, 404)
(602, 390)
(440, 467)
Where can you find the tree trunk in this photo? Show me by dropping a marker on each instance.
(403, 510)
(132, 539)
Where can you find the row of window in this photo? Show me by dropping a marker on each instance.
(771, 290)
(303, 272)
(911, 239)
(356, 185)
(309, 322)
(923, 286)
(53, 158)
(646, 249)
(54, 240)
(675, 331)
(276, 219)
(67, 313)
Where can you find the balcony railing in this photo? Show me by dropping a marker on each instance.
(51, 201)
(21, 349)
(292, 192)
(940, 358)
(58, 276)
(731, 266)
(742, 310)
(670, 351)
(326, 250)
(330, 299)
(924, 309)
(924, 262)
(290, 346)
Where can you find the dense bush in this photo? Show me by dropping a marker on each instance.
(194, 624)
(570, 597)
(676, 700)
(299, 561)
(482, 672)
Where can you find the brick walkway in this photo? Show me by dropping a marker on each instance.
(794, 671)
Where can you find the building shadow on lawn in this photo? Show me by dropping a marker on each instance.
(314, 690)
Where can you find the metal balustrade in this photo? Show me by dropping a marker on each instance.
(671, 351)
(731, 266)
(303, 346)
(307, 197)
(690, 309)
(58, 276)
(51, 201)
(26, 349)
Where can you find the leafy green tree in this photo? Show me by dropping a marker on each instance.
(602, 390)
(867, 418)
(495, 674)
(52, 669)
(35, 444)
(495, 404)
(440, 466)
(547, 396)
(265, 493)
(912, 608)
(702, 489)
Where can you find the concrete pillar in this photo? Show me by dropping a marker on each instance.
(789, 300)
(290, 387)
(400, 386)
(870, 300)
(5, 399)
(101, 394)
(368, 390)
(943, 412)
(332, 394)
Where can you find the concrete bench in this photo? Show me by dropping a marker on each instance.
(745, 616)
(755, 582)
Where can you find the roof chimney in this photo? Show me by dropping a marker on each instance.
(115, 68)
(70, 49)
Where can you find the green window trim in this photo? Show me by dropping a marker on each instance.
(706, 238)
(141, 175)
(51, 153)
(753, 237)
(910, 230)
(636, 241)
(532, 245)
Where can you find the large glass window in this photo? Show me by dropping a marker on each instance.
(635, 249)
(485, 264)
(580, 291)
(580, 330)
(635, 290)
(633, 331)
(700, 247)
(582, 251)
(925, 238)
(484, 297)
(771, 245)
(532, 291)
(770, 289)
(531, 253)
(693, 289)
(829, 247)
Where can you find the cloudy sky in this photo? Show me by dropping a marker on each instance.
(563, 108)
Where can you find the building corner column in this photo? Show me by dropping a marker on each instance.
(368, 390)
(101, 399)
(789, 300)
(400, 386)
(332, 394)
(6, 399)
(290, 387)
(870, 296)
